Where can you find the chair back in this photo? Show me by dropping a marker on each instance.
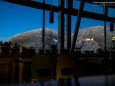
(7, 70)
(65, 66)
(43, 67)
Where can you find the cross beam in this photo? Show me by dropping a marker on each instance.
(74, 12)
(110, 5)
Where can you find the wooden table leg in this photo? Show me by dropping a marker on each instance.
(13, 72)
(20, 72)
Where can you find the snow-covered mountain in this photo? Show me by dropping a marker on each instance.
(96, 34)
(33, 38)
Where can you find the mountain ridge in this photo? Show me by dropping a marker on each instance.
(33, 38)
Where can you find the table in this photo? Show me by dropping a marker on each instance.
(100, 80)
(90, 60)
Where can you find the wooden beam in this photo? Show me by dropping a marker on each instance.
(74, 12)
(96, 2)
(61, 27)
(43, 28)
(105, 36)
(82, 3)
(68, 26)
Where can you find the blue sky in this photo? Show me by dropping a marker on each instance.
(15, 19)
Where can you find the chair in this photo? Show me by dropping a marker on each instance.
(104, 54)
(43, 67)
(65, 67)
(7, 70)
(94, 66)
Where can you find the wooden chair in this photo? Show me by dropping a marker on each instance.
(65, 68)
(43, 67)
(7, 70)
(94, 66)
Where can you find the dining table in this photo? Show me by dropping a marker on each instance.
(95, 80)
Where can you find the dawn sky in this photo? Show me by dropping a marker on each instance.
(15, 19)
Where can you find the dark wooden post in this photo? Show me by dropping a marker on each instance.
(77, 25)
(43, 27)
(105, 13)
(68, 34)
(61, 27)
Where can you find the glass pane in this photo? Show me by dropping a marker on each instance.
(93, 8)
(16, 19)
(53, 2)
(76, 4)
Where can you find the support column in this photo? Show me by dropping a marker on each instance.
(43, 28)
(106, 14)
(61, 27)
(82, 3)
(68, 33)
